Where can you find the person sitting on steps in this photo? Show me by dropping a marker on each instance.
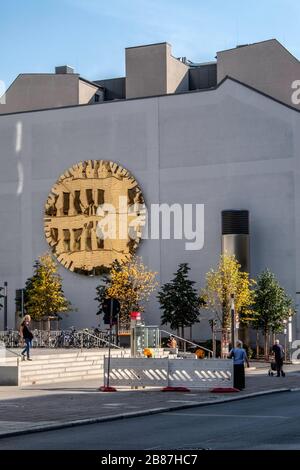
(172, 344)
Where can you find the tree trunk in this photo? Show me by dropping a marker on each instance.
(257, 344)
(273, 338)
(214, 344)
(267, 352)
(224, 343)
(182, 336)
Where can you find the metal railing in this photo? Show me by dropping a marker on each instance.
(186, 341)
(95, 341)
(71, 338)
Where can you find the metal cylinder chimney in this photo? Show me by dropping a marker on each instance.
(236, 236)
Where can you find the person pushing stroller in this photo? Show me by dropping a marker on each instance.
(279, 356)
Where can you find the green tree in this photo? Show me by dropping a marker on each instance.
(272, 306)
(179, 301)
(44, 296)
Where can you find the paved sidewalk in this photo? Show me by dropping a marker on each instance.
(55, 406)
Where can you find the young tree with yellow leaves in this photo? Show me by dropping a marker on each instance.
(44, 296)
(131, 283)
(221, 283)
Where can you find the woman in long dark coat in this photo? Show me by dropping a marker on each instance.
(239, 356)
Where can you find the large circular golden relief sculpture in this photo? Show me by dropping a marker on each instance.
(94, 215)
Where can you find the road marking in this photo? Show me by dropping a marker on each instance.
(5, 405)
(209, 415)
(183, 401)
(112, 404)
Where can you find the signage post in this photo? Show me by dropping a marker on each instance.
(135, 320)
(111, 308)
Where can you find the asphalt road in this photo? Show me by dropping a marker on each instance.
(267, 422)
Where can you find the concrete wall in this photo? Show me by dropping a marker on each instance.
(114, 88)
(146, 70)
(86, 92)
(203, 77)
(229, 148)
(9, 375)
(177, 74)
(152, 70)
(266, 66)
(40, 91)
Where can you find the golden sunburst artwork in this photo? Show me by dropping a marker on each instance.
(94, 215)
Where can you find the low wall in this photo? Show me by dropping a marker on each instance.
(9, 375)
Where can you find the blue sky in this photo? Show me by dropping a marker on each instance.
(91, 35)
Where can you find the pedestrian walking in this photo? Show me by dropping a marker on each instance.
(26, 334)
(279, 356)
(239, 356)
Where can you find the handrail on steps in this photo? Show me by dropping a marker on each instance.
(13, 352)
(97, 338)
(188, 341)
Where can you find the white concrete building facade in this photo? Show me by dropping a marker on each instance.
(230, 147)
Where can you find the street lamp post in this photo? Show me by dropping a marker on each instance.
(285, 339)
(290, 337)
(233, 331)
(5, 306)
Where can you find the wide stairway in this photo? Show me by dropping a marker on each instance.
(64, 366)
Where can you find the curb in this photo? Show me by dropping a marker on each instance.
(137, 414)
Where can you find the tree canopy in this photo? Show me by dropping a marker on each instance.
(223, 282)
(44, 296)
(271, 304)
(179, 300)
(131, 283)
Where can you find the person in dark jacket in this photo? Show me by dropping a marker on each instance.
(27, 336)
(239, 356)
(279, 356)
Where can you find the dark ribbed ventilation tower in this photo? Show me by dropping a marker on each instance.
(235, 236)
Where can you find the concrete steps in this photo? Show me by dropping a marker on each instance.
(62, 367)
